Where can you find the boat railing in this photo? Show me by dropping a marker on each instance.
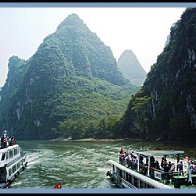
(155, 173)
(127, 184)
(122, 181)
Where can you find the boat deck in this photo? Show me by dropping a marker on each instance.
(163, 183)
(160, 177)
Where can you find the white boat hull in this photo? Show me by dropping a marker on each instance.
(14, 161)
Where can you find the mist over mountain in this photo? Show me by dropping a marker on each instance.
(131, 68)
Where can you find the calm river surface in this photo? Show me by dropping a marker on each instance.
(79, 164)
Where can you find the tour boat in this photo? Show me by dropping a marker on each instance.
(143, 170)
(12, 160)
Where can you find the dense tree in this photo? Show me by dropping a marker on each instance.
(66, 88)
(165, 107)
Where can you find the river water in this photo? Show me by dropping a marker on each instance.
(79, 164)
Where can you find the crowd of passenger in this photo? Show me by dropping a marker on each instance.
(5, 141)
(167, 168)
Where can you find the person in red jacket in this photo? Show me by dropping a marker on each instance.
(58, 186)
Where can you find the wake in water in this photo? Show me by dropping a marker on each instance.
(33, 158)
(74, 164)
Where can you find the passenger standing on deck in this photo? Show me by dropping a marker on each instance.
(157, 166)
(166, 171)
(4, 140)
(121, 151)
(189, 172)
(12, 141)
(163, 161)
(194, 167)
(121, 155)
(172, 168)
(180, 168)
(170, 164)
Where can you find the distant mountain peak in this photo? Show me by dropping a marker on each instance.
(128, 51)
(74, 76)
(72, 19)
(131, 68)
(73, 16)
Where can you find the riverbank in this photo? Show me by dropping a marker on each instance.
(94, 139)
(166, 142)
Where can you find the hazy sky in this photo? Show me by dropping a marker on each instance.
(142, 30)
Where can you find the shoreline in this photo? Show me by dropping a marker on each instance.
(166, 142)
(120, 139)
(94, 139)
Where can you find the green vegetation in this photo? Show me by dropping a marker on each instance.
(165, 107)
(70, 87)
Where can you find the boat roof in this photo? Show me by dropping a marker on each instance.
(160, 152)
(140, 176)
(8, 148)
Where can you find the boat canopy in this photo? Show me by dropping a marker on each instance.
(159, 153)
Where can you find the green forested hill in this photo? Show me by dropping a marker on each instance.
(71, 86)
(165, 107)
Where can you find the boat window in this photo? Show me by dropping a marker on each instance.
(6, 154)
(3, 157)
(120, 172)
(1, 171)
(132, 180)
(18, 165)
(127, 177)
(10, 172)
(123, 174)
(10, 154)
(138, 183)
(142, 184)
(135, 181)
(14, 168)
(117, 170)
(15, 151)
